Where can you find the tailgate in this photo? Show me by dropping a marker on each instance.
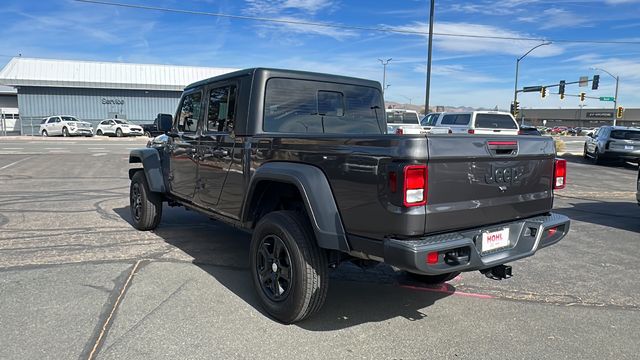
(481, 180)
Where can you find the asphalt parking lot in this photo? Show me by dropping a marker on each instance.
(77, 281)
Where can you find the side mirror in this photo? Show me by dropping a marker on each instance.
(165, 122)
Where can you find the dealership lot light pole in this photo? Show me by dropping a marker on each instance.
(384, 73)
(615, 96)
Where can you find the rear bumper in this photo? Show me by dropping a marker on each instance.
(633, 155)
(526, 236)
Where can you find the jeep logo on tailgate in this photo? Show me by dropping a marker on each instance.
(505, 175)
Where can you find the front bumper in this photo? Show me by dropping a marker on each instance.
(526, 236)
(132, 132)
(80, 131)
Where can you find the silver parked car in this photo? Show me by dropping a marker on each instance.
(615, 143)
(118, 127)
(64, 125)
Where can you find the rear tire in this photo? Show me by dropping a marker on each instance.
(433, 279)
(146, 206)
(288, 269)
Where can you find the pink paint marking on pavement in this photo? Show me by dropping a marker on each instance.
(444, 289)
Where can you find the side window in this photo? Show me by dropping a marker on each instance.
(222, 109)
(448, 119)
(190, 112)
(463, 119)
(51, 120)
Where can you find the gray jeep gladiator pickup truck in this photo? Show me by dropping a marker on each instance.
(303, 161)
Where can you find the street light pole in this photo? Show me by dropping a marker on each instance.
(384, 73)
(615, 97)
(515, 88)
(431, 14)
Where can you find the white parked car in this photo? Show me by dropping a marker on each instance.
(118, 127)
(400, 121)
(64, 125)
(479, 122)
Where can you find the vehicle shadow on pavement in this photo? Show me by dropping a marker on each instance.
(356, 296)
(579, 159)
(619, 215)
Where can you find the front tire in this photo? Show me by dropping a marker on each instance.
(596, 157)
(65, 132)
(99, 132)
(45, 133)
(147, 134)
(288, 269)
(118, 132)
(146, 206)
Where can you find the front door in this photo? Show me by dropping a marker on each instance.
(217, 143)
(183, 159)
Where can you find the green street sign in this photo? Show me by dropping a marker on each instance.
(607, 98)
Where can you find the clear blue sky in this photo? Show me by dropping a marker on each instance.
(466, 71)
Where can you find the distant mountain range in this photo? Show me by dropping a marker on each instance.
(420, 108)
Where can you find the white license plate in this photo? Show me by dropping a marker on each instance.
(495, 240)
(628, 147)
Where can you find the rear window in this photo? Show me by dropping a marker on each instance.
(495, 121)
(456, 119)
(625, 134)
(401, 117)
(304, 106)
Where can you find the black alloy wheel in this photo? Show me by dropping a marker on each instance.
(273, 264)
(288, 268)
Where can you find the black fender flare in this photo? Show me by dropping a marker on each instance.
(316, 194)
(152, 167)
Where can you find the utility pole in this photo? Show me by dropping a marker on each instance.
(384, 73)
(431, 16)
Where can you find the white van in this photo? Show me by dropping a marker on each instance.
(479, 122)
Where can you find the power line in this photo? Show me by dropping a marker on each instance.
(349, 27)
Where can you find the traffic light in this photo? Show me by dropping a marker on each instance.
(582, 96)
(515, 108)
(619, 112)
(543, 92)
(561, 88)
(594, 83)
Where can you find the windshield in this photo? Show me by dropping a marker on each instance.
(625, 134)
(69, 118)
(495, 121)
(429, 120)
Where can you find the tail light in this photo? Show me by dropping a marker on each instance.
(415, 185)
(399, 131)
(560, 174)
(471, 131)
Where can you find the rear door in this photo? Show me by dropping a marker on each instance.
(183, 158)
(494, 124)
(481, 180)
(217, 144)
